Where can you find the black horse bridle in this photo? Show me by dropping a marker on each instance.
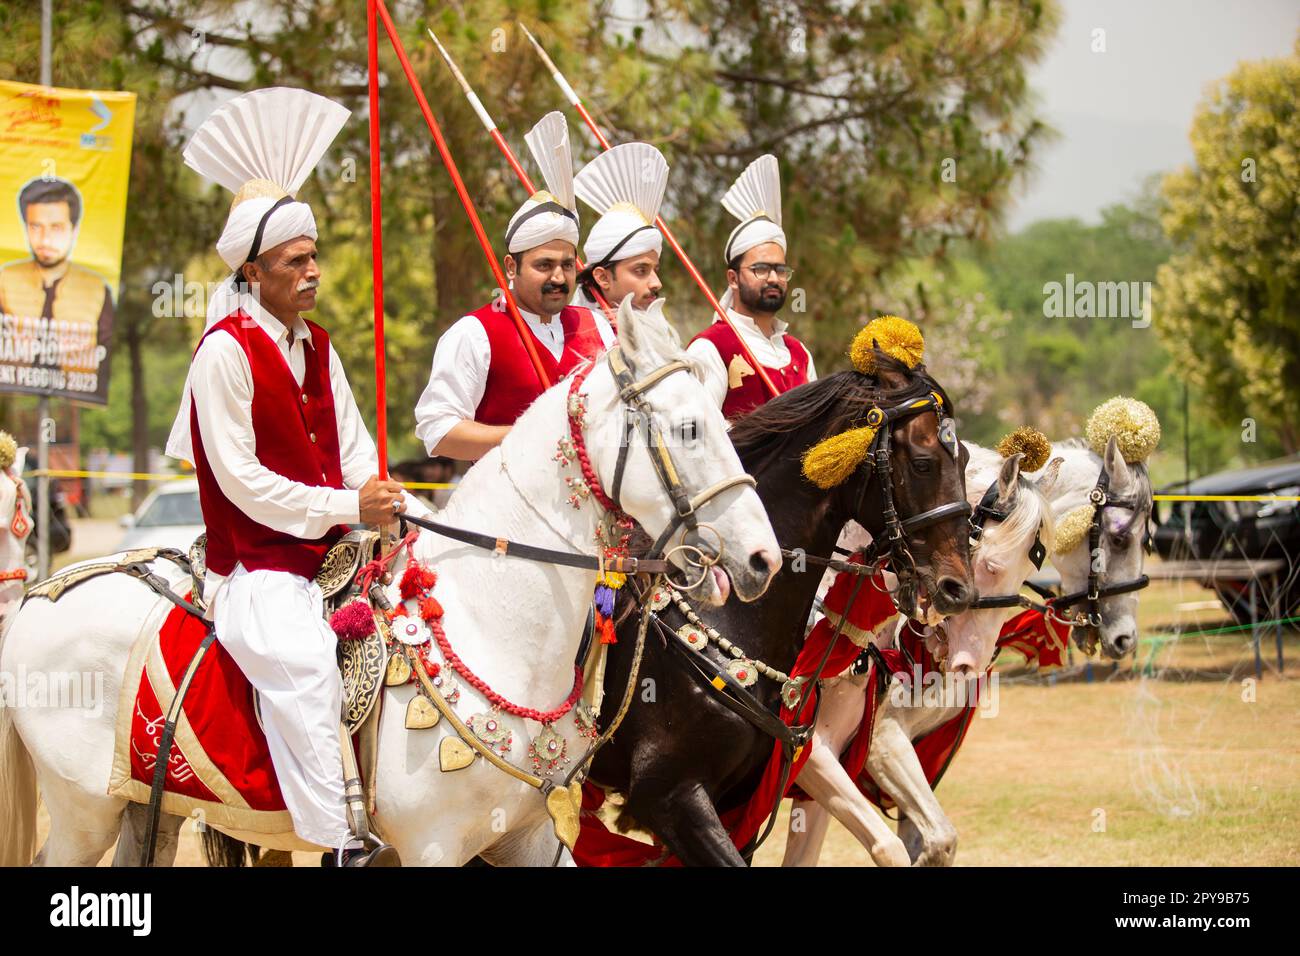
(894, 548)
(1091, 596)
(632, 393)
(991, 506)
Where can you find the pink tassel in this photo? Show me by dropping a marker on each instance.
(354, 621)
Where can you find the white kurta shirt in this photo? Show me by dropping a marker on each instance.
(458, 378)
(222, 384)
(771, 352)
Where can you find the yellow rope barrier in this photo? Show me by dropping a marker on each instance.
(1226, 497)
(148, 476)
(438, 485)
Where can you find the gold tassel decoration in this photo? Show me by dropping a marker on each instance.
(1072, 529)
(832, 460)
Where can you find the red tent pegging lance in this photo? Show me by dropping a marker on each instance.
(490, 125)
(378, 7)
(377, 237)
(576, 102)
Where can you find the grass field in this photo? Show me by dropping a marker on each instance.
(1195, 764)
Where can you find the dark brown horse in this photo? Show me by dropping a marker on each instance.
(681, 757)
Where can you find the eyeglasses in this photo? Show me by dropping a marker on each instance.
(762, 270)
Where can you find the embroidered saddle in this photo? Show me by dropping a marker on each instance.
(361, 662)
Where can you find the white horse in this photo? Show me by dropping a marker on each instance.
(15, 500)
(1001, 567)
(515, 623)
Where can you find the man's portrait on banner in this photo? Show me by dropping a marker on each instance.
(49, 284)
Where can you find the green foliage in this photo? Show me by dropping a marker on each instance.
(862, 103)
(1231, 317)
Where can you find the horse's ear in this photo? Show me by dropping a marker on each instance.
(891, 377)
(1115, 465)
(1047, 480)
(630, 334)
(1008, 477)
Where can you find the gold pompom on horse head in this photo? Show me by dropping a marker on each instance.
(8, 450)
(1130, 422)
(832, 460)
(1029, 442)
(894, 336)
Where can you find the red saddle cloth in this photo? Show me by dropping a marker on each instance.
(220, 768)
(1040, 639)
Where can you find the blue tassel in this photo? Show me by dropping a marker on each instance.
(604, 600)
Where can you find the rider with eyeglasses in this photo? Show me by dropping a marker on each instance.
(758, 282)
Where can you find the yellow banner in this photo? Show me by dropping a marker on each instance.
(65, 161)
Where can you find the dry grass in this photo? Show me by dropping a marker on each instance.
(1185, 773)
(1184, 770)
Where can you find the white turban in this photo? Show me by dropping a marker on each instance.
(541, 219)
(755, 199)
(620, 234)
(288, 221)
(751, 233)
(626, 186)
(550, 213)
(261, 146)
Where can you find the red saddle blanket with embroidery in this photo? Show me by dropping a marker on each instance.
(220, 768)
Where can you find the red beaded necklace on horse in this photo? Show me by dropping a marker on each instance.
(616, 525)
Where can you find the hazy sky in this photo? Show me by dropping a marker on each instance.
(1125, 113)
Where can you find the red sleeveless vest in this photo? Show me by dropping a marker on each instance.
(297, 437)
(751, 392)
(512, 383)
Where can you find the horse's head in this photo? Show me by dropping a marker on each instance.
(1017, 526)
(659, 445)
(882, 445)
(928, 472)
(1119, 553)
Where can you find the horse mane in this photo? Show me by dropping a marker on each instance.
(1030, 510)
(830, 405)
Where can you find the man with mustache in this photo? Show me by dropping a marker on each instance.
(625, 185)
(482, 377)
(283, 459)
(758, 281)
(50, 285)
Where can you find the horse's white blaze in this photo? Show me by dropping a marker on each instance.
(515, 623)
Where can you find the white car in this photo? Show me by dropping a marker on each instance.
(169, 518)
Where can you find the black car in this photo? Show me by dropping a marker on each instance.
(1238, 530)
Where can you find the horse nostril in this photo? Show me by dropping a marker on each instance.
(955, 591)
(762, 562)
(1123, 643)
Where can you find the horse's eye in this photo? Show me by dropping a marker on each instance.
(1122, 540)
(921, 466)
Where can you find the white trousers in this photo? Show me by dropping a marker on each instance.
(270, 622)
